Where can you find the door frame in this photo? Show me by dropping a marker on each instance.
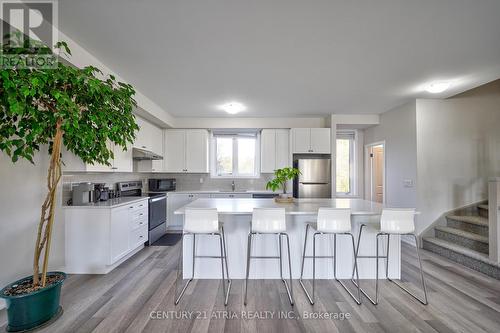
(368, 171)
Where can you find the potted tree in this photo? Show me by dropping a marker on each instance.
(281, 177)
(75, 107)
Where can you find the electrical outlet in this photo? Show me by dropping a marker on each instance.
(201, 180)
(408, 183)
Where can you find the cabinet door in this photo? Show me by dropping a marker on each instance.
(157, 166)
(119, 233)
(141, 141)
(156, 139)
(174, 158)
(320, 140)
(282, 148)
(123, 159)
(96, 167)
(196, 151)
(301, 140)
(268, 151)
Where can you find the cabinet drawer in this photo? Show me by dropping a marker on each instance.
(138, 220)
(138, 206)
(138, 237)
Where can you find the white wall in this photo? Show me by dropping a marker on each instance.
(23, 191)
(398, 129)
(458, 143)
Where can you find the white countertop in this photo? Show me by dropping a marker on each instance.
(111, 203)
(243, 206)
(223, 192)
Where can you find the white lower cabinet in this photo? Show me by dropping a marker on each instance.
(99, 238)
(230, 195)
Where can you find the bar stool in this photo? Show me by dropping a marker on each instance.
(269, 221)
(393, 222)
(331, 221)
(204, 221)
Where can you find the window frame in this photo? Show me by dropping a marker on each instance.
(351, 135)
(235, 172)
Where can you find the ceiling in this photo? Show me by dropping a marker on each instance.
(289, 57)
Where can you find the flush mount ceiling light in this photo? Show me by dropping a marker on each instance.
(233, 107)
(437, 87)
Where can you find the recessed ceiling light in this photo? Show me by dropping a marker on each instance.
(437, 87)
(233, 107)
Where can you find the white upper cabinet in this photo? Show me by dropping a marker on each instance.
(311, 140)
(275, 152)
(197, 151)
(122, 161)
(186, 151)
(149, 136)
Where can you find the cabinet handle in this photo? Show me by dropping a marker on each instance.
(131, 207)
(141, 236)
(114, 168)
(141, 214)
(144, 147)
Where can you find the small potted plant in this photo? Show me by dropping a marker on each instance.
(281, 177)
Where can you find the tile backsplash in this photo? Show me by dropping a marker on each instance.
(185, 182)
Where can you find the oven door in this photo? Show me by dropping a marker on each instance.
(157, 211)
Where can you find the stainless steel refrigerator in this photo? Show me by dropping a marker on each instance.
(314, 180)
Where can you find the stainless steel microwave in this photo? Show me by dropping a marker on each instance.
(161, 184)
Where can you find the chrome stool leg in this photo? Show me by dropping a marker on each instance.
(358, 299)
(289, 289)
(227, 270)
(302, 267)
(249, 249)
(424, 288)
(178, 298)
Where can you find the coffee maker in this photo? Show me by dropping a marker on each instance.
(83, 194)
(101, 192)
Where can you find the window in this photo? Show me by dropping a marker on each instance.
(345, 166)
(235, 155)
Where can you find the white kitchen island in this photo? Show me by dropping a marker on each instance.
(235, 214)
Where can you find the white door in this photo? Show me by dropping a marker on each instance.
(268, 150)
(196, 151)
(320, 140)
(282, 148)
(120, 232)
(175, 158)
(301, 140)
(377, 162)
(123, 159)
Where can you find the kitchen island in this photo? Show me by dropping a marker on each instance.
(236, 214)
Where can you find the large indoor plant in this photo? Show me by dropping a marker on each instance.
(281, 177)
(75, 107)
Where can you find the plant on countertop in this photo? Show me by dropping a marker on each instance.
(75, 107)
(281, 176)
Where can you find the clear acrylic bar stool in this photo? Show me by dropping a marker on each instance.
(393, 222)
(269, 221)
(331, 221)
(199, 222)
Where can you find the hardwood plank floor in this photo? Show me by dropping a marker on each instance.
(461, 300)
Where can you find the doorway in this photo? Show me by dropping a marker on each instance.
(375, 157)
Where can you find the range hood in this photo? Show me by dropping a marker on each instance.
(140, 154)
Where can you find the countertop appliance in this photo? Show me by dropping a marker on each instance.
(101, 192)
(161, 184)
(83, 194)
(314, 180)
(157, 208)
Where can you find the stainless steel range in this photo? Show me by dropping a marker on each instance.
(157, 208)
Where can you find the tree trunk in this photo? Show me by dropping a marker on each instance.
(44, 235)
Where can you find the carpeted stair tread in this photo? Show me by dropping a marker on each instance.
(485, 207)
(472, 219)
(463, 233)
(461, 250)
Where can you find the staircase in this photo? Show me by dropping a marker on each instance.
(464, 240)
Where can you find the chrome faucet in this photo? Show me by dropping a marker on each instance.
(233, 186)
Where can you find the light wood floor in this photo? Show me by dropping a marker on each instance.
(460, 300)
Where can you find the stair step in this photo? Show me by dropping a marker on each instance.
(462, 255)
(485, 206)
(483, 210)
(470, 223)
(464, 238)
